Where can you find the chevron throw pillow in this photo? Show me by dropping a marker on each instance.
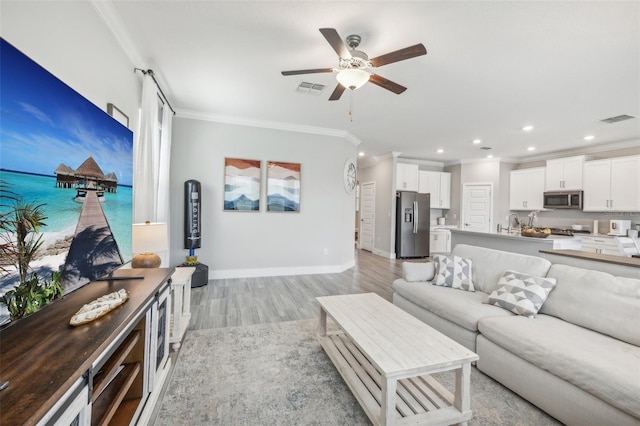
(521, 293)
(453, 271)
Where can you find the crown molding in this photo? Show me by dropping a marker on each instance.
(266, 124)
(482, 160)
(585, 150)
(420, 162)
(111, 17)
(375, 159)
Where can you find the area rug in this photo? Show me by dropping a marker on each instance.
(278, 374)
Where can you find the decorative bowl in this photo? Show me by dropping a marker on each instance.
(576, 227)
(534, 233)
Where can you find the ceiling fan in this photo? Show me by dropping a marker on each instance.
(352, 64)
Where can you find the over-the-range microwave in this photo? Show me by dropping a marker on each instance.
(563, 200)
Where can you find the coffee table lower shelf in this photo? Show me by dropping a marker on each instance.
(418, 400)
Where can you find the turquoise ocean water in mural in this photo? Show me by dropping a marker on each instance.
(63, 212)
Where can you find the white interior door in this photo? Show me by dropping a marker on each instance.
(476, 207)
(367, 215)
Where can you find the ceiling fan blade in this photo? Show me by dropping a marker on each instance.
(317, 70)
(399, 55)
(386, 84)
(336, 42)
(339, 90)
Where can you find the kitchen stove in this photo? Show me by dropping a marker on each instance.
(568, 232)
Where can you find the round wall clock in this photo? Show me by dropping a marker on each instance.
(349, 176)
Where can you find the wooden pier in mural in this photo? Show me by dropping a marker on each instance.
(94, 251)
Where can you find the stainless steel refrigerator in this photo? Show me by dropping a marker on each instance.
(412, 224)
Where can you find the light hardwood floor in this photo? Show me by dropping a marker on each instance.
(245, 301)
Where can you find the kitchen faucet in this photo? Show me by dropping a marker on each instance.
(517, 222)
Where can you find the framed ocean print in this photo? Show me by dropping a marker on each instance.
(283, 187)
(242, 185)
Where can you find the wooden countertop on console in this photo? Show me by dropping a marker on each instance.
(619, 260)
(42, 356)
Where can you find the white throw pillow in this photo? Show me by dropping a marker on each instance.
(453, 271)
(418, 271)
(521, 293)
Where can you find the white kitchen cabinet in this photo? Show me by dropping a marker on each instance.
(406, 177)
(440, 241)
(438, 184)
(564, 173)
(600, 244)
(526, 189)
(612, 185)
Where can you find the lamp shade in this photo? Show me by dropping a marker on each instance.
(352, 78)
(148, 238)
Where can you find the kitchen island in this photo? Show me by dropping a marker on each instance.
(514, 242)
(618, 266)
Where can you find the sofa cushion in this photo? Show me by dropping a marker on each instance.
(463, 308)
(453, 271)
(418, 271)
(489, 265)
(522, 294)
(603, 366)
(596, 300)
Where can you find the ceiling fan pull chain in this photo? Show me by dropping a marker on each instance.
(351, 106)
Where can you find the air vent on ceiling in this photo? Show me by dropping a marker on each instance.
(486, 148)
(617, 118)
(311, 88)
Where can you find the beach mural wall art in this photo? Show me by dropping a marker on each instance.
(60, 151)
(283, 187)
(242, 185)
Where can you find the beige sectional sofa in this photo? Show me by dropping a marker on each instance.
(578, 358)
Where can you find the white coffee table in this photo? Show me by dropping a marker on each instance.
(386, 356)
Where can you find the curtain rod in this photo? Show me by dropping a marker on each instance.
(153, 76)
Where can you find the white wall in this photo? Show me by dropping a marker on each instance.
(485, 172)
(238, 244)
(455, 210)
(72, 42)
(383, 174)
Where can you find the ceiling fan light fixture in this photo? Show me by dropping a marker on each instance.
(352, 78)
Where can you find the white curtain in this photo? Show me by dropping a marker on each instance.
(152, 155)
(146, 154)
(163, 203)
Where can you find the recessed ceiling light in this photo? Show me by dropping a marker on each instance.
(531, 148)
(527, 128)
(361, 154)
(490, 156)
(589, 138)
(477, 141)
(440, 151)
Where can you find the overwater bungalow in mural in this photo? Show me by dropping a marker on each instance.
(87, 177)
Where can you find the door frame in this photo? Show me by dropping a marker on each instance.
(465, 201)
(373, 230)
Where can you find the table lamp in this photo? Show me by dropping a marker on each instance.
(148, 238)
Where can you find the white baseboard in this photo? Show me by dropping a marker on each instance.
(384, 254)
(281, 271)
